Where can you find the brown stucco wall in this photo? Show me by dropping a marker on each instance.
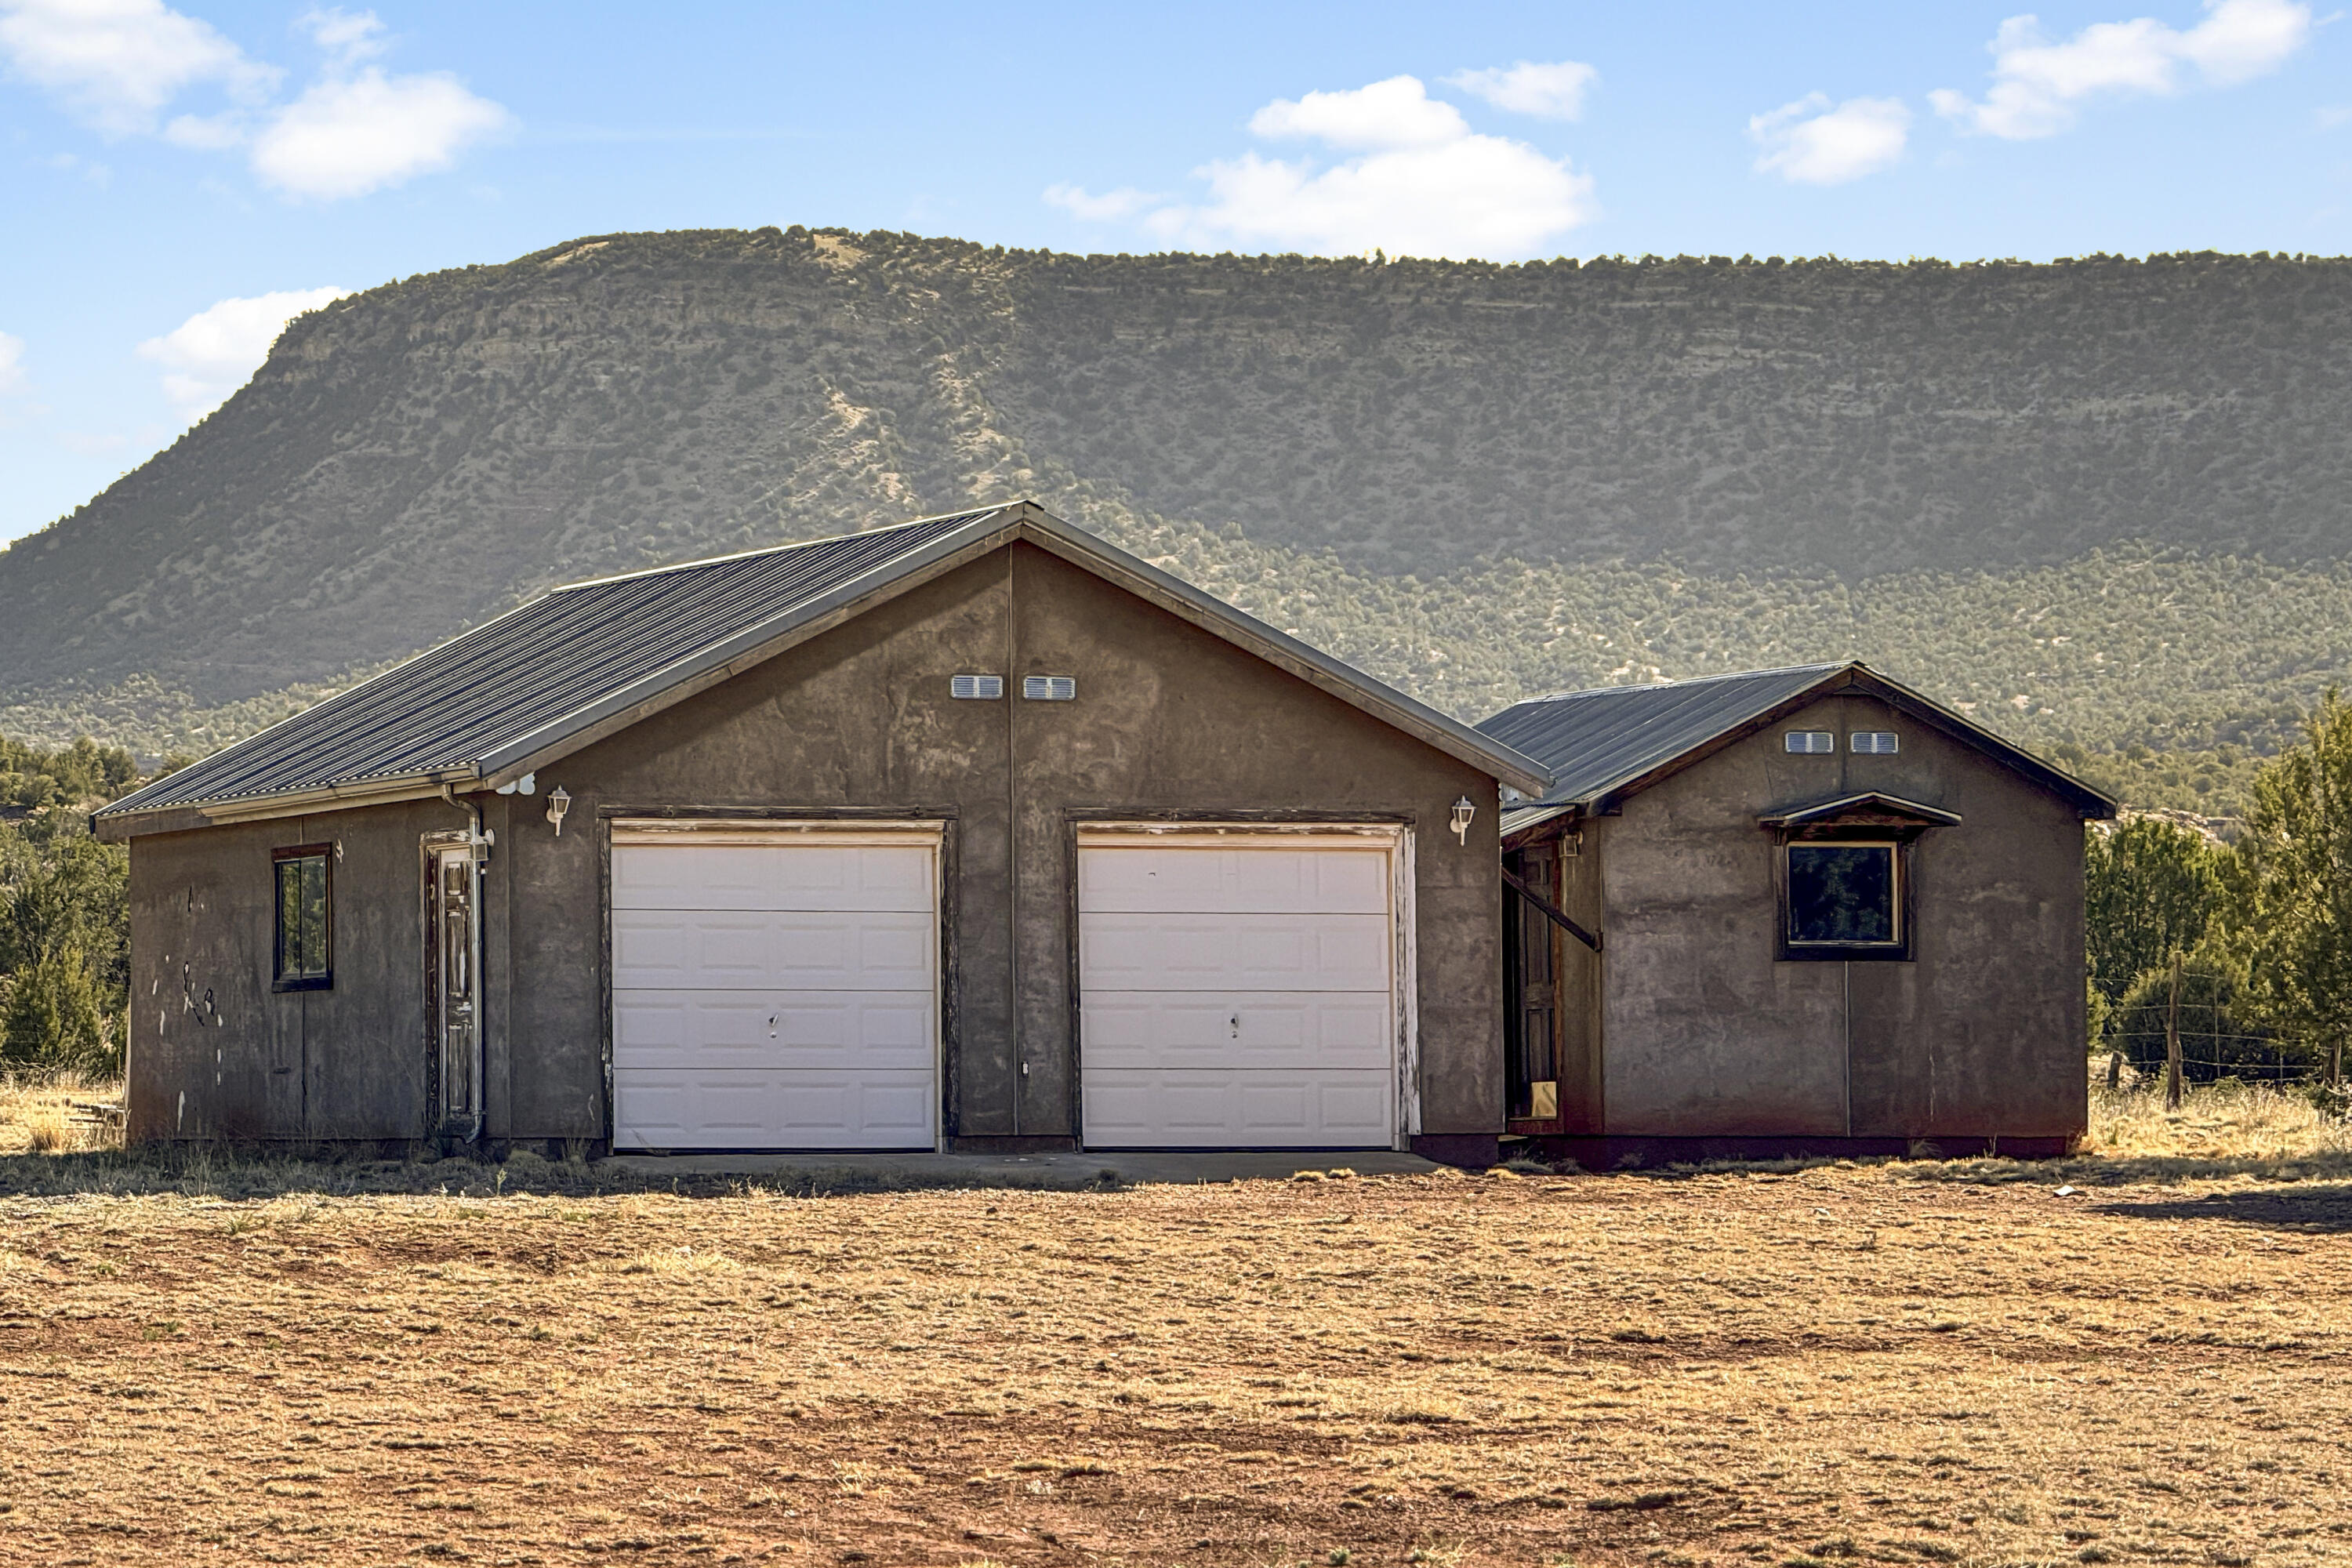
(214, 1053)
(1707, 1033)
(1168, 720)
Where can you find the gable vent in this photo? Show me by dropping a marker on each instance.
(1049, 687)
(1811, 743)
(1876, 742)
(977, 688)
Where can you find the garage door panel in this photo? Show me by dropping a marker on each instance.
(774, 995)
(1176, 1108)
(1235, 1031)
(1236, 993)
(1139, 951)
(1148, 880)
(831, 1029)
(795, 876)
(718, 1109)
(677, 949)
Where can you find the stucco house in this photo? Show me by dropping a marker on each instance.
(1790, 910)
(970, 834)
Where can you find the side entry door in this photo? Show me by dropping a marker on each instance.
(454, 1009)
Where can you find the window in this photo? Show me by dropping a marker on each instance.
(1049, 687)
(303, 918)
(1874, 742)
(977, 688)
(1809, 742)
(1844, 896)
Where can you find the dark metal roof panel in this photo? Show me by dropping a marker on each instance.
(1595, 740)
(535, 666)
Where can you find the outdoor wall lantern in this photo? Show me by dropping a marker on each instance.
(559, 800)
(1463, 812)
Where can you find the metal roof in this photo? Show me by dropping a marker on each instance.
(1603, 742)
(572, 666)
(1595, 740)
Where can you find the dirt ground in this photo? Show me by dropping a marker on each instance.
(1901, 1362)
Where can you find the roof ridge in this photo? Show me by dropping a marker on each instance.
(1698, 679)
(969, 515)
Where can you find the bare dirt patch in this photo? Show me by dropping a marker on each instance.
(1832, 1365)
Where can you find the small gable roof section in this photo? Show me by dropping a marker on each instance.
(583, 662)
(1604, 746)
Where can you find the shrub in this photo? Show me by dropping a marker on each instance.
(56, 1015)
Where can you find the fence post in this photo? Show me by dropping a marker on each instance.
(2173, 1042)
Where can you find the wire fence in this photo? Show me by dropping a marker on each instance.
(2215, 1042)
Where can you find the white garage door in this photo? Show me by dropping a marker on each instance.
(1236, 992)
(774, 990)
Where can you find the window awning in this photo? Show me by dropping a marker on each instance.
(1869, 809)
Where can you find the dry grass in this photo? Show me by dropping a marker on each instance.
(2215, 1121)
(36, 1114)
(1815, 1367)
(1831, 1365)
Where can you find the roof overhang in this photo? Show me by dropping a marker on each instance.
(294, 803)
(1527, 823)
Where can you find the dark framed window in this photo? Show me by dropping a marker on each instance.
(305, 917)
(1843, 898)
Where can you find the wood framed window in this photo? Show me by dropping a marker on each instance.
(1843, 898)
(305, 909)
(1844, 871)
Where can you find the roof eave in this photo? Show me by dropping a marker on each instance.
(116, 826)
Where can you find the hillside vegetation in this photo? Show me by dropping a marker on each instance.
(2104, 502)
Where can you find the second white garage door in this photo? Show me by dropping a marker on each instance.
(774, 989)
(1237, 991)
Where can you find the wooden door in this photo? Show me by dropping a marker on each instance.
(456, 991)
(1533, 1075)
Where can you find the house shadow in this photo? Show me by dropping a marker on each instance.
(2310, 1208)
(236, 1174)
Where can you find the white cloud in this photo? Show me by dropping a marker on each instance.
(117, 63)
(2037, 84)
(1124, 202)
(1398, 112)
(121, 64)
(348, 37)
(213, 352)
(348, 136)
(1420, 183)
(12, 364)
(1554, 91)
(1810, 142)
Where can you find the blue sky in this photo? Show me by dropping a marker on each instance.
(177, 175)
